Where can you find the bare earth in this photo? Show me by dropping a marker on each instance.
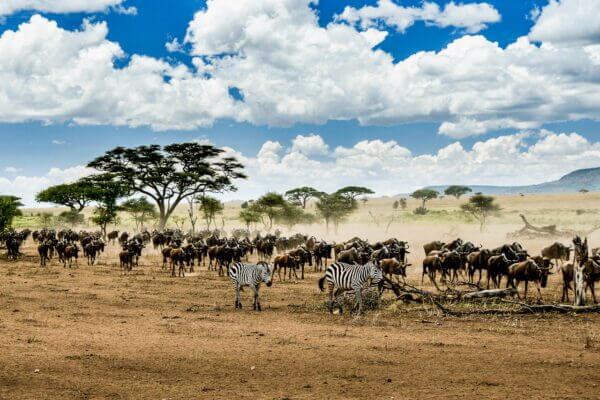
(88, 332)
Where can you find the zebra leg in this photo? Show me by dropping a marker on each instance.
(238, 297)
(330, 302)
(256, 306)
(358, 300)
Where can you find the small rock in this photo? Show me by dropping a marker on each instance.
(36, 370)
(252, 368)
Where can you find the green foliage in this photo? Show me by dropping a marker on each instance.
(353, 192)
(481, 207)
(248, 216)
(584, 191)
(107, 191)
(424, 195)
(270, 205)
(335, 208)
(457, 191)
(46, 219)
(292, 214)
(210, 207)
(71, 217)
(420, 211)
(172, 173)
(140, 209)
(9, 209)
(403, 203)
(300, 196)
(75, 195)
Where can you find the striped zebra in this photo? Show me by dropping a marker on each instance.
(349, 277)
(242, 274)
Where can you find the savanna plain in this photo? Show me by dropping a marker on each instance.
(90, 333)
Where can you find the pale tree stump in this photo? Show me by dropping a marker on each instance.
(578, 286)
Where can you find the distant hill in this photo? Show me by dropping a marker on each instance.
(581, 179)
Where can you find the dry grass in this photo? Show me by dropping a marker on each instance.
(88, 332)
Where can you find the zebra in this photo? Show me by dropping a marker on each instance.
(349, 277)
(242, 274)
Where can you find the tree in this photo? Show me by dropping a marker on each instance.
(71, 217)
(141, 210)
(172, 173)
(424, 195)
(457, 191)
(292, 214)
(481, 207)
(270, 205)
(354, 191)
(301, 195)
(46, 219)
(403, 203)
(334, 208)
(76, 195)
(107, 191)
(9, 209)
(249, 217)
(584, 191)
(210, 207)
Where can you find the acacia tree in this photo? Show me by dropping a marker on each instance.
(210, 207)
(457, 191)
(292, 215)
(141, 210)
(354, 191)
(172, 173)
(76, 195)
(301, 195)
(334, 208)
(9, 209)
(270, 205)
(481, 207)
(424, 195)
(249, 216)
(107, 191)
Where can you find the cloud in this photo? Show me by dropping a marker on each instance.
(27, 187)
(291, 70)
(310, 145)
(12, 170)
(390, 168)
(567, 21)
(8, 7)
(58, 142)
(472, 17)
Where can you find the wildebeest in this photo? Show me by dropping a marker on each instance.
(431, 264)
(558, 252)
(285, 262)
(526, 271)
(429, 247)
(71, 252)
(391, 266)
(477, 261)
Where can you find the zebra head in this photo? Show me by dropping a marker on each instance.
(266, 273)
(375, 273)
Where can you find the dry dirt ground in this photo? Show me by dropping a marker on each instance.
(88, 332)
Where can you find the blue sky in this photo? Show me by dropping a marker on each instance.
(36, 139)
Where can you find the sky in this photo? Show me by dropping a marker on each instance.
(389, 94)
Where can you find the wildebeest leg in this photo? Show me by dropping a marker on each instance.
(592, 287)
(302, 271)
(172, 268)
(479, 281)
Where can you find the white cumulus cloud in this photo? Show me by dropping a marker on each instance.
(472, 17)
(8, 7)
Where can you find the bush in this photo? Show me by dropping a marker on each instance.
(420, 211)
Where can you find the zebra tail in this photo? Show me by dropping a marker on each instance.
(321, 284)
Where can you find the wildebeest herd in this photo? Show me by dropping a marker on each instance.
(356, 262)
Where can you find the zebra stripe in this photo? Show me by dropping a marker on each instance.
(349, 277)
(242, 274)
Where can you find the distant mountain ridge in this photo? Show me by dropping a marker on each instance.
(588, 178)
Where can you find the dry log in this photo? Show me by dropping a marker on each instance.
(487, 294)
